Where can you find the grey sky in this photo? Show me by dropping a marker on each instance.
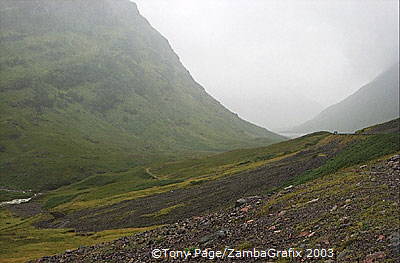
(278, 63)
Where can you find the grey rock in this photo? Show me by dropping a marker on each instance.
(246, 200)
(206, 239)
(342, 254)
(395, 241)
(221, 233)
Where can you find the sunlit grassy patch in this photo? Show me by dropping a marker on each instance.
(164, 211)
(20, 241)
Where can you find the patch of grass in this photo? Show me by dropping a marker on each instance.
(20, 241)
(95, 181)
(359, 150)
(245, 245)
(156, 183)
(58, 200)
(164, 211)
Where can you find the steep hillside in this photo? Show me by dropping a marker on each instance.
(89, 86)
(383, 128)
(374, 103)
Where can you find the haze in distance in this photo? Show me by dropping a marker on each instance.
(279, 63)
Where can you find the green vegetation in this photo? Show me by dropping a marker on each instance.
(361, 150)
(97, 110)
(90, 88)
(239, 160)
(117, 187)
(58, 200)
(370, 208)
(392, 126)
(110, 188)
(20, 241)
(164, 211)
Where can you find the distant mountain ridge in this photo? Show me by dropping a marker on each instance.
(89, 86)
(374, 103)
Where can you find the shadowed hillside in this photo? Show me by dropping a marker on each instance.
(89, 86)
(374, 103)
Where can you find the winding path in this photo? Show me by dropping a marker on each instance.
(151, 174)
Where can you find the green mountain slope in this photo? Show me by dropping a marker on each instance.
(376, 102)
(89, 86)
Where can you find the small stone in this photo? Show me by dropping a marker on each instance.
(371, 258)
(245, 209)
(221, 233)
(334, 208)
(395, 241)
(342, 254)
(246, 200)
(326, 242)
(206, 239)
(313, 201)
(240, 202)
(304, 234)
(282, 213)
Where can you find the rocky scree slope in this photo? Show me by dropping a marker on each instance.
(354, 211)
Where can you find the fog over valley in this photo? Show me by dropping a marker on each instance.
(187, 130)
(279, 63)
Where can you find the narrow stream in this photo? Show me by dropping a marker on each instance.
(19, 200)
(16, 201)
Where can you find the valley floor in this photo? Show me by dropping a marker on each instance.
(321, 191)
(354, 212)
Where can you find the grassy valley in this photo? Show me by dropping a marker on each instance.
(109, 148)
(106, 206)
